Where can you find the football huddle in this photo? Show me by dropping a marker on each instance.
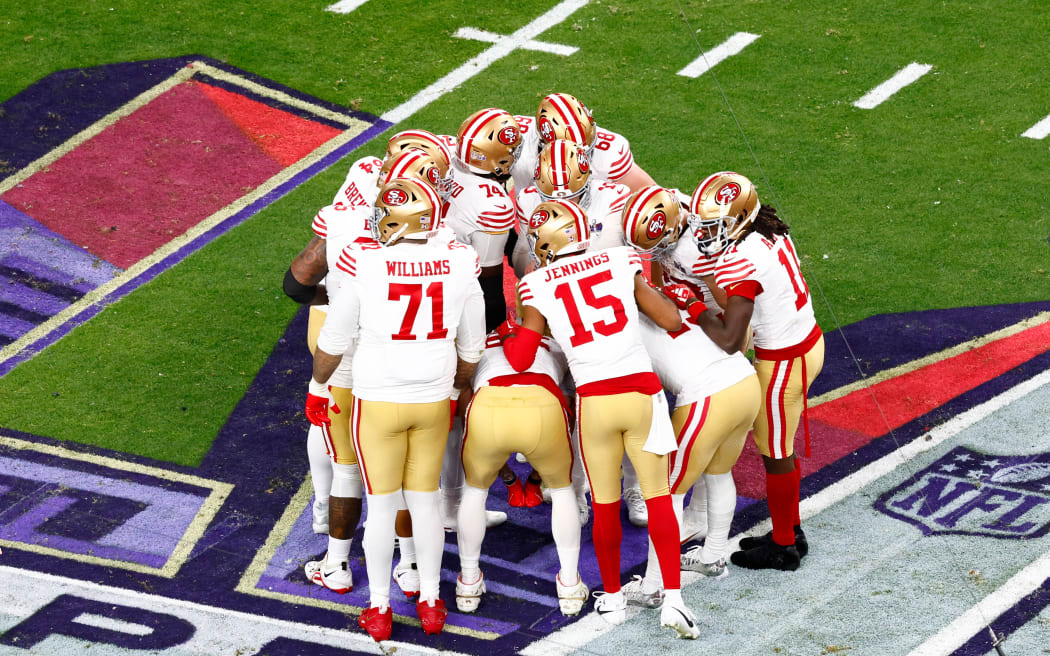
(615, 378)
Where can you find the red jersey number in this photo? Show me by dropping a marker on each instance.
(414, 291)
(581, 335)
(790, 263)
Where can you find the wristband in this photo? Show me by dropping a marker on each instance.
(695, 310)
(318, 389)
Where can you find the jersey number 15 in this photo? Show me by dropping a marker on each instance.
(581, 335)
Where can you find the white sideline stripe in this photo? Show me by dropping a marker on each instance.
(345, 6)
(708, 60)
(957, 633)
(568, 639)
(159, 603)
(1039, 130)
(903, 78)
(491, 37)
(480, 62)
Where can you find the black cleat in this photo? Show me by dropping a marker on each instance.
(768, 555)
(800, 541)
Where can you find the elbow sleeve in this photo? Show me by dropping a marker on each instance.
(297, 291)
(520, 348)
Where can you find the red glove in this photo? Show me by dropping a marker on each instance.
(678, 293)
(506, 329)
(318, 401)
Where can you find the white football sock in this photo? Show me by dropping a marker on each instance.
(338, 550)
(426, 525)
(697, 508)
(721, 502)
(378, 544)
(320, 463)
(471, 531)
(565, 527)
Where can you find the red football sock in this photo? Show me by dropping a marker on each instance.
(607, 535)
(782, 497)
(663, 529)
(798, 485)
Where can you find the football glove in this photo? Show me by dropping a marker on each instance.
(318, 402)
(678, 293)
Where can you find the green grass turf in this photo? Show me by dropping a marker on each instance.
(931, 200)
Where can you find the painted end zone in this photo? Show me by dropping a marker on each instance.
(161, 159)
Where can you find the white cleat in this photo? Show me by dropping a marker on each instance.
(571, 598)
(494, 518)
(637, 511)
(320, 510)
(611, 607)
(680, 618)
(468, 595)
(691, 561)
(334, 576)
(694, 527)
(633, 592)
(407, 578)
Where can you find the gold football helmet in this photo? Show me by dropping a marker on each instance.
(489, 142)
(416, 164)
(429, 143)
(653, 219)
(561, 116)
(723, 206)
(405, 209)
(563, 171)
(557, 228)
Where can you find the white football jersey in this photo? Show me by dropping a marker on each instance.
(783, 314)
(685, 264)
(480, 212)
(550, 361)
(361, 184)
(414, 307)
(610, 158)
(588, 301)
(603, 207)
(689, 364)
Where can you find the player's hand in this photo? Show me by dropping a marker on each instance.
(318, 402)
(506, 329)
(678, 293)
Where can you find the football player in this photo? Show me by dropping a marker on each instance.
(525, 413)
(716, 401)
(759, 269)
(417, 311)
(562, 116)
(591, 303)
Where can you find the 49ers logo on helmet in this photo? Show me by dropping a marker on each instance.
(727, 194)
(432, 175)
(656, 226)
(546, 129)
(395, 197)
(583, 162)
(508, 136)
(538, 218)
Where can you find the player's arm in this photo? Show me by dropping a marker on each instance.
(306, 271)
(657, 273)
(716, 291)
(337, 332)
(636, 178)
(470, 338)
(655, 305)
(520, 343)
(730, 332)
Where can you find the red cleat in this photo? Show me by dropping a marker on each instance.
(533, 494)
(516, 494)
(432, 617)
(377, 623)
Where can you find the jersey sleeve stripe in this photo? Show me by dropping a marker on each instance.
(319, 226)
(731, 268)
(724, 281)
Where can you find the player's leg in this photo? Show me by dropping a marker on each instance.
(601, 448)
(318, 450)
(406, 573)
(422, 471)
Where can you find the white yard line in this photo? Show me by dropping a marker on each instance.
(903, 78)
(491, 37)
(708, 60)
(345, 6)
(1039, 130)
(477, 64)
(957, 633)
(567, 640)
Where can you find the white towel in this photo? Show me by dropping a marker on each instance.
(661, 438)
